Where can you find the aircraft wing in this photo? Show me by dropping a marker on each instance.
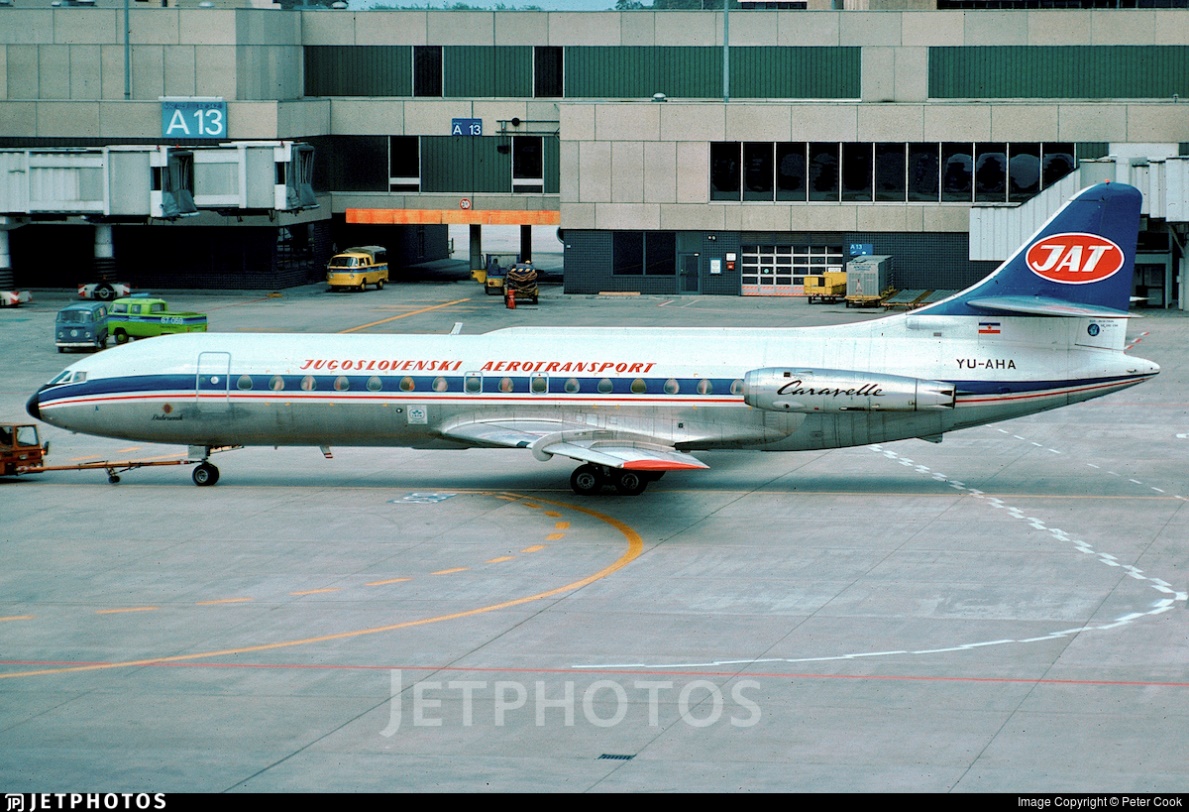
(578, 441)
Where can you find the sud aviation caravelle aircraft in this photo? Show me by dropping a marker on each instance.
(1045, 330)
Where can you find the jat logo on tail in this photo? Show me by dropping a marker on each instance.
(1074, 259)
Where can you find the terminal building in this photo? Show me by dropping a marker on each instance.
(676, 152)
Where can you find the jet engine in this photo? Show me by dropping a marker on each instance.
(842, 390)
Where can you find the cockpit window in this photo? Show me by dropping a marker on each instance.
(68, 376)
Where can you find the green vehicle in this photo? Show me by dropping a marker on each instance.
(143, 317)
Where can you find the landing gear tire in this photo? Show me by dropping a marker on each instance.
(113, 479)
(586, 480)
(630, 483)
(205, 474)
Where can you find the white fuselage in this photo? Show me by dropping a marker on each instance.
(681, 387)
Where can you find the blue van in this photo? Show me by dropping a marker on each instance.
(81, 325)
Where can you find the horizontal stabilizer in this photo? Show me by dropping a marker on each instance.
(1044, 306)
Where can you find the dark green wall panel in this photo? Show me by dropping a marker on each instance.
(796, 73)
(459, 164)
(551, 149)
(1069, 72)
(359, 70)
(696, 72)
(479, 71)
(610, 72)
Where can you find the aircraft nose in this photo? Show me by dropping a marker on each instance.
(33, 406)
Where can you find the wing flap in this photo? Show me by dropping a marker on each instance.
(634, 456)
(547, 438)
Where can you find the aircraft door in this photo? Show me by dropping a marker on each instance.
(212, 384)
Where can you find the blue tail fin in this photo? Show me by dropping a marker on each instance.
(1079, 263)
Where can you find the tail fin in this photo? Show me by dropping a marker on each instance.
(1079, 263)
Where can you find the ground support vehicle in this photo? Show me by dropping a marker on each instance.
(80, 326)
(521, 282)
(144, 317)
(497, 268)
(21, 452)
(827, 288)
(20, 448)
(868, 280)
(356, 268)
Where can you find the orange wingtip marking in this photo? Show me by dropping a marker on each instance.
(660, 465)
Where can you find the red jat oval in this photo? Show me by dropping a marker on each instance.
(1074, 259)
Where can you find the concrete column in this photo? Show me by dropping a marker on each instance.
(1183, 286)
(6, 277)
(477, 263)
(105, 256)
(526, 243)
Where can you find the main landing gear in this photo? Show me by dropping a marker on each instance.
(589, 479)
(205, 474)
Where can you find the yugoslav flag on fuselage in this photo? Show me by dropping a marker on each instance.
(1084, 255)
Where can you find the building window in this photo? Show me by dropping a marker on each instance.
(427, 70)
(1023, 171)
(957, 168)
(528, 172)
(823, 172)
(724, 170)
(891, 180)
(924, 171)
(757, 171)
(790, 171)
(886, 172)
(644, 253)
(404, 163)
(990, 173)
(548, 72)
(856, 172)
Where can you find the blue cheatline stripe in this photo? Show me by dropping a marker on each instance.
(425, 385)
(431, 386)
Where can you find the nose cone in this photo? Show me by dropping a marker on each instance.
(33, 407)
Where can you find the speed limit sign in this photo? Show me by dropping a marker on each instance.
(465, 203)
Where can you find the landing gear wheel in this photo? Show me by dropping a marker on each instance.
(105, 292)
(113, 479)
(586, 480)
(206, 474)
(630, 483)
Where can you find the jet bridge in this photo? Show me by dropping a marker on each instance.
(154, 181)
(1162, 175)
